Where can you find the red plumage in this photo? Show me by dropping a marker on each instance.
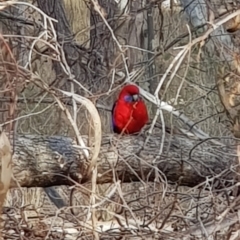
(129, 113)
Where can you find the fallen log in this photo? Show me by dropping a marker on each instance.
(43, 161)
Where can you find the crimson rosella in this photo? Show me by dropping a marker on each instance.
(129, 112)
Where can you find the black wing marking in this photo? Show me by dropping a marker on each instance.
(115, 129)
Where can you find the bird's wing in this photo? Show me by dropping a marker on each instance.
(140, 112)
(122, 112)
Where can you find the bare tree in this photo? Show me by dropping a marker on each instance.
(175, 179)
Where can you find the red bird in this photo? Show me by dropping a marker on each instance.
(129, 112)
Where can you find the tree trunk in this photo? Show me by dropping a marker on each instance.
(203, 14)
(73, 52)
(41, 161)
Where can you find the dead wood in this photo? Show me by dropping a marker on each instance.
(42, 161)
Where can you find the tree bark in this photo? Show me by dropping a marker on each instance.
(41, 161)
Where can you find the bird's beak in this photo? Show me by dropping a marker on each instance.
(135, 97)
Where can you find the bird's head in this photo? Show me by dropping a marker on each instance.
(130, 93)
